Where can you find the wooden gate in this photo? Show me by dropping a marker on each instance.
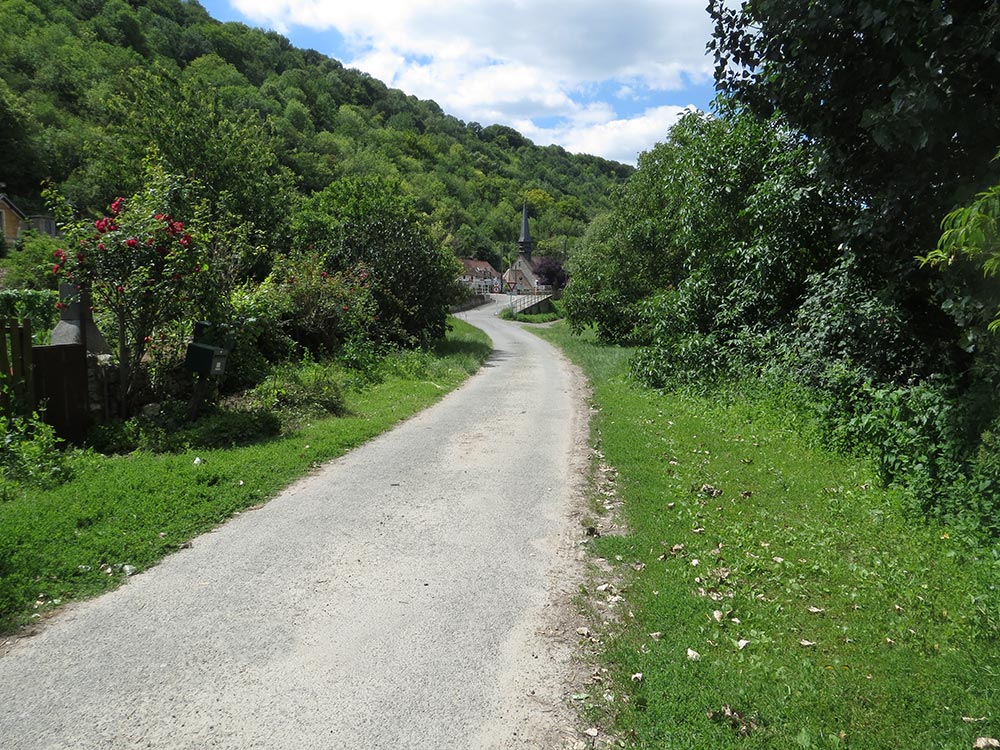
(60, 385)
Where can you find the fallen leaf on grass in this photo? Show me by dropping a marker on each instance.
(693, 655)
(637, 677)
(778, 560)
(699, 530)
(806, 643)
(592, 732)
(970, 720)
(585, 632)
(816, 611)
(656, 636)
(742, 644)
(742, 724)
(717, 615)
(984, 742)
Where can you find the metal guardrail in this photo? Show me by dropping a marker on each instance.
(524, 301)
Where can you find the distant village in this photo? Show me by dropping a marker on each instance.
(522, 277)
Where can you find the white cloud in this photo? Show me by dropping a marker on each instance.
(523, 61)
(621, 139)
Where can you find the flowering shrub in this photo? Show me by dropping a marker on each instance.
(319, 310)
(141, 264)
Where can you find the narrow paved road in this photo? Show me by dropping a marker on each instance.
(398, 598)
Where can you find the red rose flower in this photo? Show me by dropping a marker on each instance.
(131, 242)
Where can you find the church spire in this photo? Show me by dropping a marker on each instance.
(524, 245)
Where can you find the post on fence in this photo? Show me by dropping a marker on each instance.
(5, 372)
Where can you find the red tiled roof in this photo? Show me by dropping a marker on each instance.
(482, 266)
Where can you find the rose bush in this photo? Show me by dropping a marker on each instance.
(141, 264)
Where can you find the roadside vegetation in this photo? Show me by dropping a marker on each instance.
(77, 523)
(805, 417)
(776, 594)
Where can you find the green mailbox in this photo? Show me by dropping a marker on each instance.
(204, 358)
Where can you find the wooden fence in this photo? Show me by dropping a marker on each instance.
(17, 384)
(49, 379)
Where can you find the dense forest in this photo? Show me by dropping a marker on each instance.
(87, 87)
(795, 236)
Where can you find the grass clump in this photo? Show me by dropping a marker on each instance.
(122, 513)
(793, 601)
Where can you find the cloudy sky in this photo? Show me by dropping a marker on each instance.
(605, 77)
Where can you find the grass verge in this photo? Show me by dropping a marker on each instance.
(775, 596)
(121, 514)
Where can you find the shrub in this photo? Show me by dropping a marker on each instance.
(141, 265)
(843, 317)
(317, 309)
(29, 454)
(36, 306)
(29, 264)
(301, 387)
(371, 223)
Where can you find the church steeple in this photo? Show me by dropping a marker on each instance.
(524, 245)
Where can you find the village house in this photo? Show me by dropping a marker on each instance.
(12, 220)
(479, 276)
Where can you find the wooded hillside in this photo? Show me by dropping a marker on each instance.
(86, 87)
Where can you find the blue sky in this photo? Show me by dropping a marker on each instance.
(594, 76)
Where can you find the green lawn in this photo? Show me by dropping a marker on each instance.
(74, 540)
(816, 613)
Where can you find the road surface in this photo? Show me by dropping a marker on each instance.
(406, 595)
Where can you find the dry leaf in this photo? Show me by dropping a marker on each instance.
(592, 732)
(585, 632)
(656, 636)
(804, 642)
(778, 560)
(695, 563)
(970, 720)
(717, 615)
(816, 610)
(693, 655)
(699, 530)
(742, 644)
(637, 677)
(984, 742)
